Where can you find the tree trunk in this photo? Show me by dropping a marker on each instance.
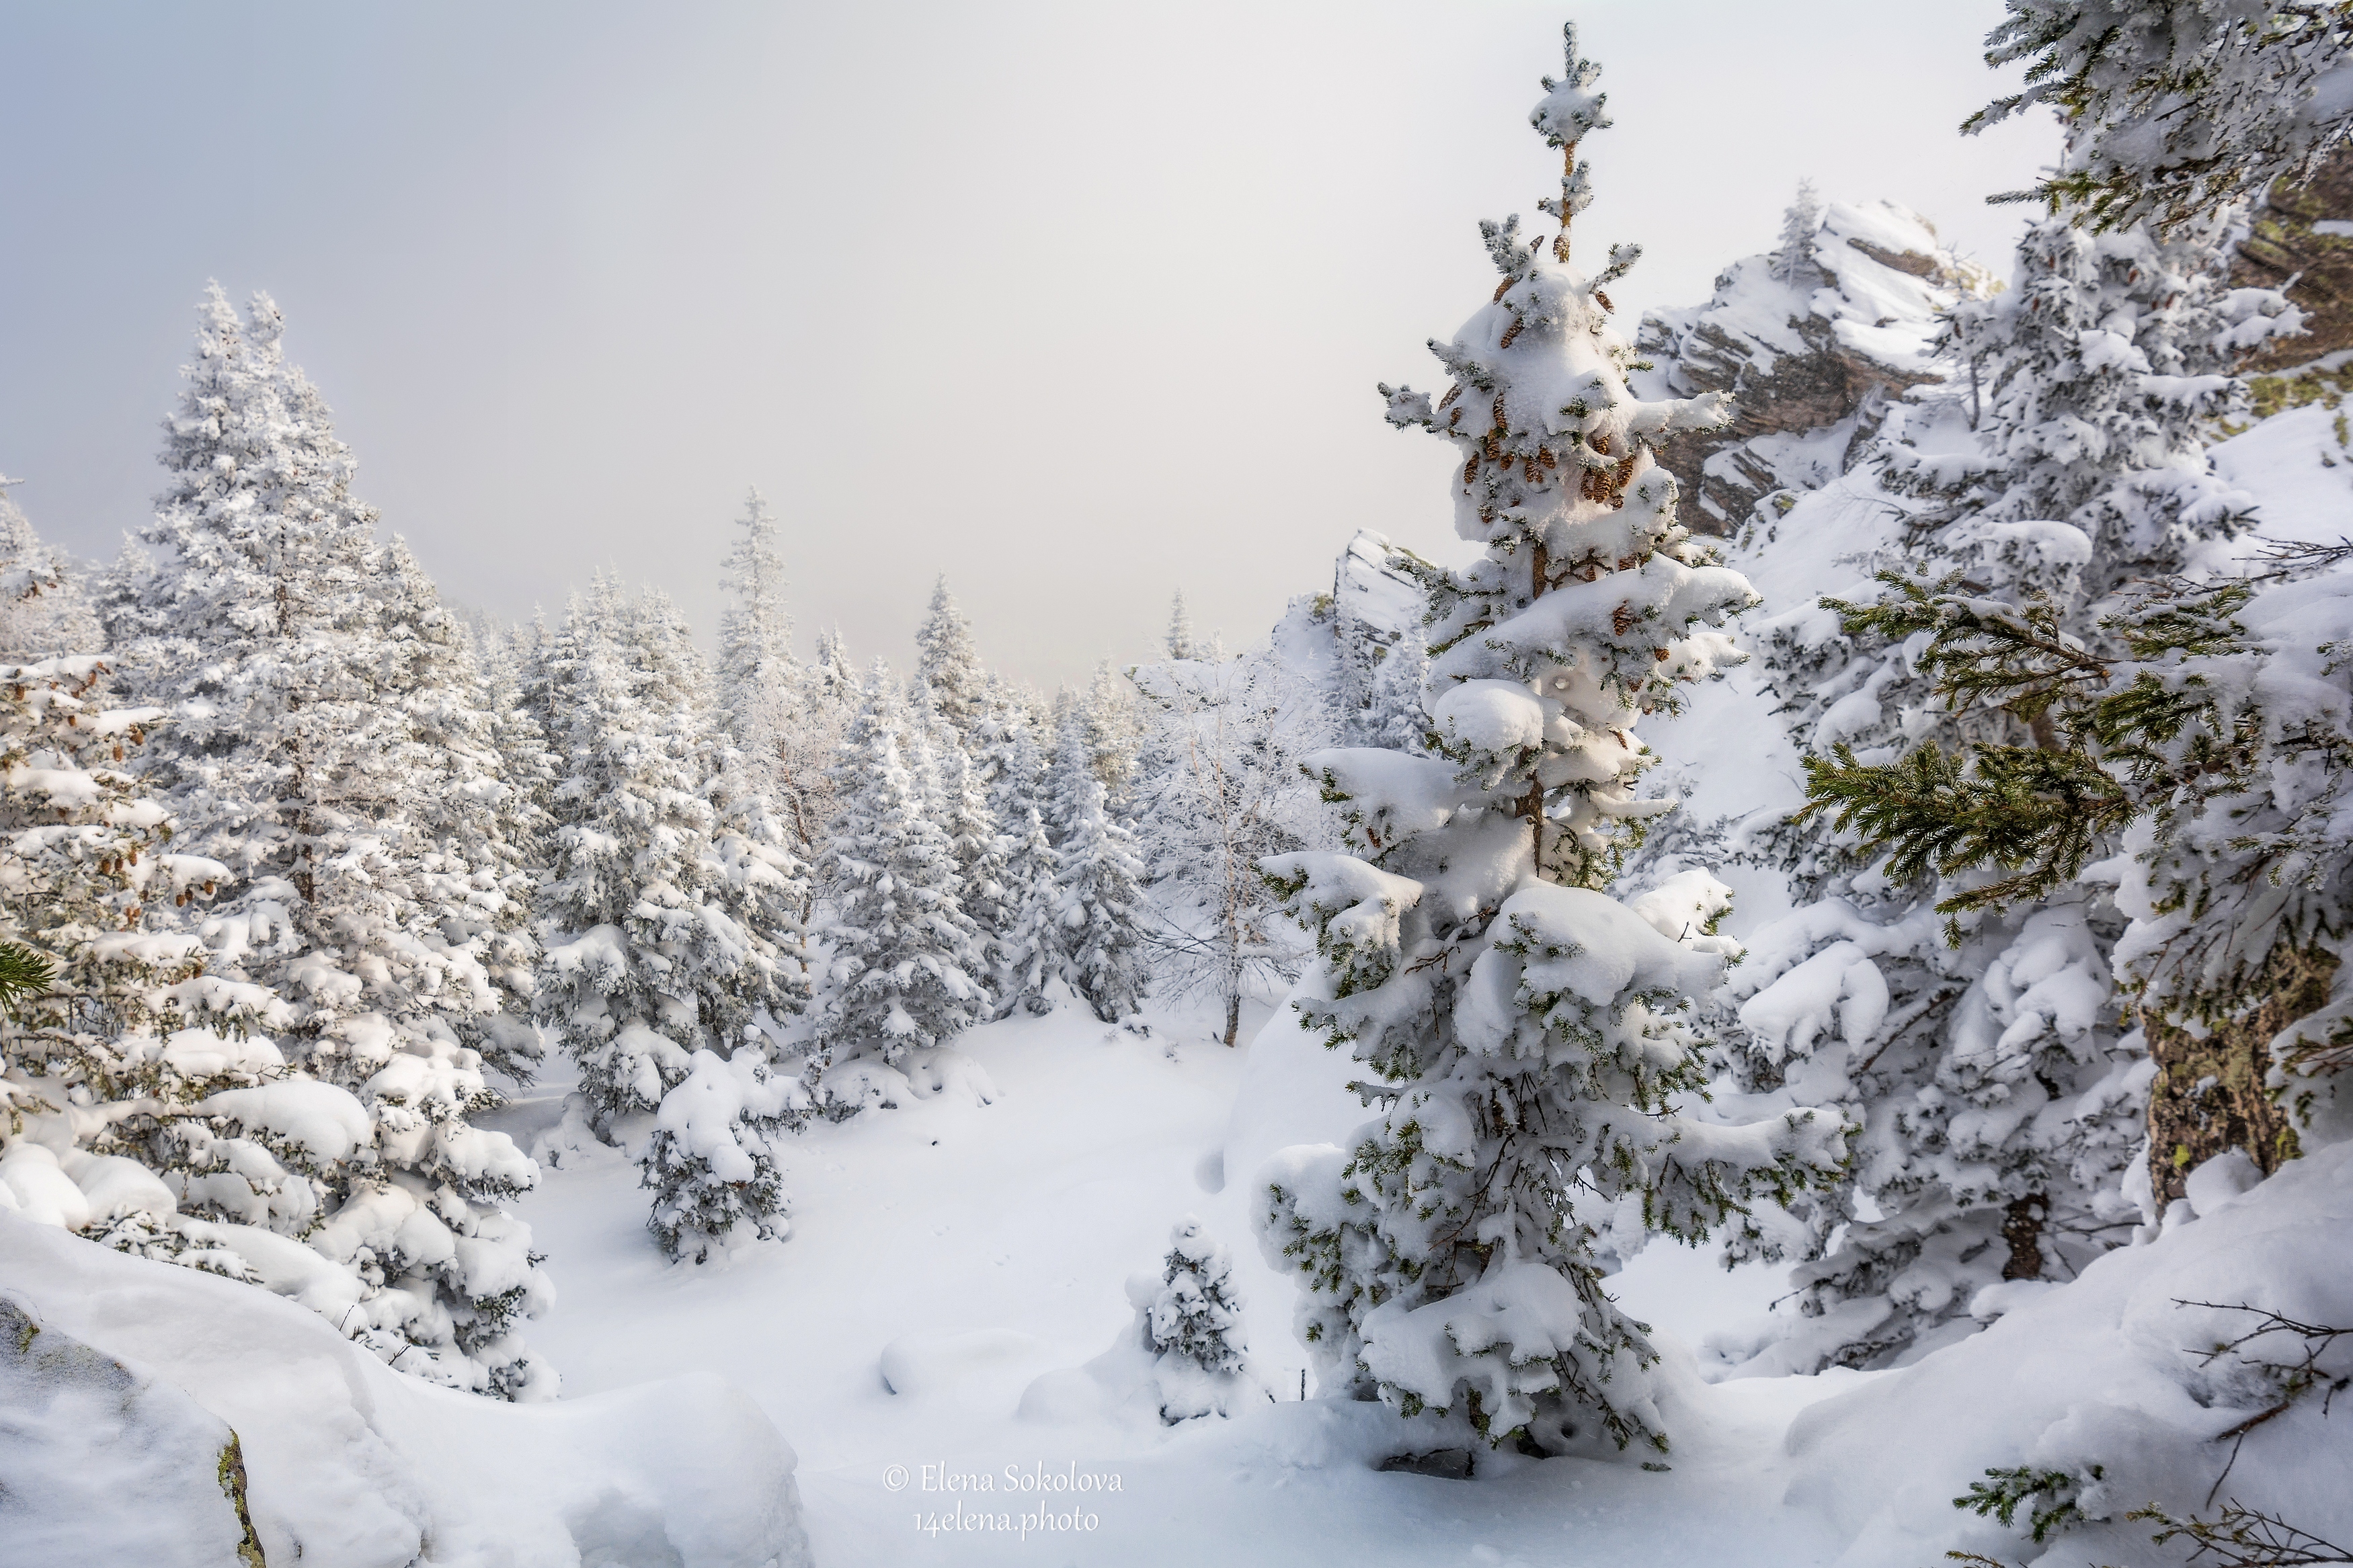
(2022, 1226)
(2210, 1095)
(1233, 1016)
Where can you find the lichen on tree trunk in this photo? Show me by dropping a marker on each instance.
(2211, 1093)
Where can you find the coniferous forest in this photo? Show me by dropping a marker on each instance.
(1777, 999)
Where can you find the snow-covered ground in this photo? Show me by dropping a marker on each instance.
(975, 1248)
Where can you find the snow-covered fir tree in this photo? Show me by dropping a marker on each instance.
(110, 1049)
(1181, 641)
(905, 968)
(713, 1158)
(977, 839)
(1193, 1329)
(513, 662)
(830, 675)
(1793, 257)
(1999, 1076)
(759, 680)
(1112, 717)
(650, 954)
(300, 755)
(1098, 896)
(622, 801)
(947, 663)
(825, 703)
(781, 724)
(1028, 954)
(1226, 790)
(477, 833)
(1392, 719)
(44, 606)
(1526, 1037)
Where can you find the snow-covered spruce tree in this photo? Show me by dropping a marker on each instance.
(1998, 1077)
(112, 1042)
(830, 675)
(738, 940)
(1099, 903)
(1193, 1329)
(2176, 108)
(45, 607)
(1229, 793)
(621, 800)
(1181, 642)
(475, 834)
(1029, 953)
(782, 730)
(644, 964)
(1792, 260)
(2234, 728)
(977, 839)
(948, 664)
(905, 967)
(1112, 717)
(1526, 1036)
(759, 680)
(1392, 719)
(713, 1160)
(2213, 745)
(825, 703)
(514, 664)
(294, 757)
(763, 886)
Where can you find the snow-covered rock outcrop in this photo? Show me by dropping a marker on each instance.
(82, 1436)
(1811, 361)
(346, 1461)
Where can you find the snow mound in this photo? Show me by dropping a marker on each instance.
(350, 1463)
(918, 1364)
(79, 1432)
(943, 1070)
(2118, 1370)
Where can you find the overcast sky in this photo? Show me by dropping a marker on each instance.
(1076, 302)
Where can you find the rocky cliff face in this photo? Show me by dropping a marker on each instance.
(1811, 361)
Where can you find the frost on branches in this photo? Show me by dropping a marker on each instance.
(1999, 1079)
(45, 609)
(1526, 1037)
(1226, 790)
(2177, 109)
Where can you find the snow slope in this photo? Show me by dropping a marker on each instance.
(349, 1463)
